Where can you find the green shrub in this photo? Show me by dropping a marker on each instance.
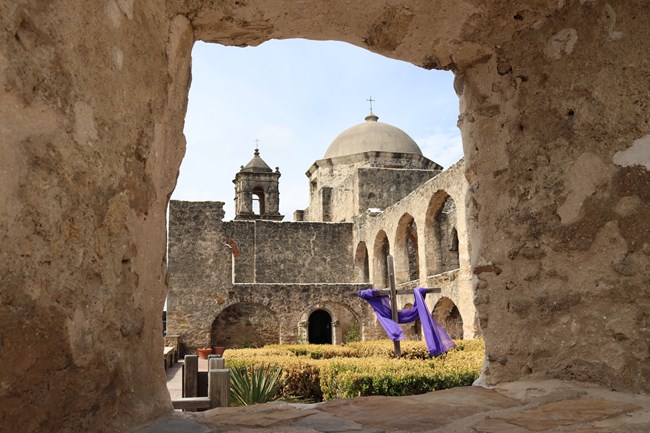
(353, 335)
(253, 385)
(316, 372)
(302, 382)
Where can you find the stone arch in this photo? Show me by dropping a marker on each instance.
(343, 319)
(258, 200)
(319, 327)
(361, 265)
(381, 251)
(407, 261)
(447, 314)
(441, 235)
(245, 324)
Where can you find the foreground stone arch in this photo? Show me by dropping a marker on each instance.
(554, 129)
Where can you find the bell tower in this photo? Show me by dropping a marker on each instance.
(257, 194)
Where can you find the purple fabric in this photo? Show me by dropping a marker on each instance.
(434, 335)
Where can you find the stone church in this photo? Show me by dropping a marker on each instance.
(556, 130)
(258, 280)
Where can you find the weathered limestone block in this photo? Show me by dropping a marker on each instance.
(564, 276)
(91, 103)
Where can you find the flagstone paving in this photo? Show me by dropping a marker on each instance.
(517, 407)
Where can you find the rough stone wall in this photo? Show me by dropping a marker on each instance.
(344, 199)
(242, 235)
(91, 108)
(555, 130)
(354, 183)
(380, 188)
(200, 269)
(201, 250)
(245, 325)
(293, 303)
(303, 252)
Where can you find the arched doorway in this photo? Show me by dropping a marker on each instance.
(320, 327)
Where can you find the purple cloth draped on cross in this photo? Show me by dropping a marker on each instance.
(435, 336)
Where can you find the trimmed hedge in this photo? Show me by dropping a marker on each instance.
(317, 372)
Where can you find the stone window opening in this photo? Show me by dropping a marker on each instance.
(258, 205)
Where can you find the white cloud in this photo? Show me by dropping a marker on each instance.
(443, 146)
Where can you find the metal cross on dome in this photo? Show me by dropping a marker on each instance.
(371, 101)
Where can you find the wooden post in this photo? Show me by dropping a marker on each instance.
(218, 383)
(220, 362)
(393, 299)
(190, 376)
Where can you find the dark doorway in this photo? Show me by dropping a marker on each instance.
(320, 327)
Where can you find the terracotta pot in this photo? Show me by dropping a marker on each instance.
(204, 352)
(218, 350)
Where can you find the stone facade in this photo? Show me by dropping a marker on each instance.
(555, 128)
(343, 187)
(440, 262)
(278, 270)
(289, 270)
(375, 167)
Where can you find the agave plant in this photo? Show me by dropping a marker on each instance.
(253, 385)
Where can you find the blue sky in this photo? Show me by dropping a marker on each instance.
(295, 97)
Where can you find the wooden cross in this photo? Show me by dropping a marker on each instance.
(392, 293)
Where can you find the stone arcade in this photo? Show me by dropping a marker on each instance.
(256, 281)
(555, 124)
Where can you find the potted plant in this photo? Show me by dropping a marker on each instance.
(204, 352)
(218, 350)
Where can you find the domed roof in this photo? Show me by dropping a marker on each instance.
(372, 136)
(257, 164)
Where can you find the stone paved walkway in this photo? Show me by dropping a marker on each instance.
(518, 407)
